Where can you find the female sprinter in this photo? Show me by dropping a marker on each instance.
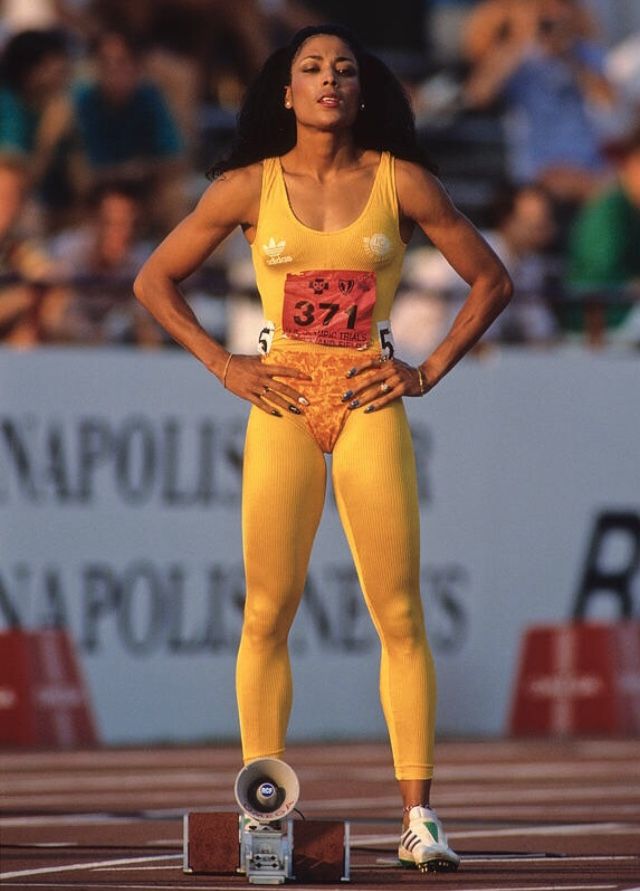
(327, 181)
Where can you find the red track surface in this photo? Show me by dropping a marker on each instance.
(527, 816)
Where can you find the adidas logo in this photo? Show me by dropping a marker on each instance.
(274, 248)
(274, 251)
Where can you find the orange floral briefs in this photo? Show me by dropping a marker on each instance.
(326, 414)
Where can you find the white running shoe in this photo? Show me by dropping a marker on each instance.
(423, 844)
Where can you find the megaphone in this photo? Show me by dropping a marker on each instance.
(267, 789)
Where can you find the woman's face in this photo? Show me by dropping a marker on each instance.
(324, 92)
(118, 71)
(48, 77)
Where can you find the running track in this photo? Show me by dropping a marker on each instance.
(525, 816)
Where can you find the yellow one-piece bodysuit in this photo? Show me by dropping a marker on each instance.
(327, 298)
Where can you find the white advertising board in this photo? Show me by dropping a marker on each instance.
(120, 519)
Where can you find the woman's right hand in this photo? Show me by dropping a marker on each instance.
(250, 378)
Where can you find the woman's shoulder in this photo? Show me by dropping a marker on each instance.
(235, 193)
(420, 192)
(411, 175)
(240, 179)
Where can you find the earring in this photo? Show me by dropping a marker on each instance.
(287, 104)
(362, 106)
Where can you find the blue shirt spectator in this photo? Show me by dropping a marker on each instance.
(140, 127)
(35, 115)
(549, 122)
(127, 130)
(556, 95)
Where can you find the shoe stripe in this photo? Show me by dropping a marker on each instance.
(409, 840)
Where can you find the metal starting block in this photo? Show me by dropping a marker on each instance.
(267, 853)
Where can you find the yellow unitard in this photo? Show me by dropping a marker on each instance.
(373, 470)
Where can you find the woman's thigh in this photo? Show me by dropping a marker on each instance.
(376, 490)
(284, 480)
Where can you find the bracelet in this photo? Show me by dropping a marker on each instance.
(421, 381)
(226, 368)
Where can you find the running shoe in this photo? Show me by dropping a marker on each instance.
(423, 844)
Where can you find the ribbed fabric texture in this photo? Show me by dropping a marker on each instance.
(375, 486)
(374, 482)
(283, 244)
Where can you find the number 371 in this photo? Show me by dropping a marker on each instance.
(308, 313)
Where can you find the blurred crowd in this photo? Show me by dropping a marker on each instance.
(110, 111)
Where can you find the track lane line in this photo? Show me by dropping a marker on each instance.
(78, 867)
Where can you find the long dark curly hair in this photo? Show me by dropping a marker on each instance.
(266, 129)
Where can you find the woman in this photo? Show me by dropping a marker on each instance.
(327, 182)
(35, 112)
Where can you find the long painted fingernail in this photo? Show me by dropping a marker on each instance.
(295, 409)
(369, 409)
(354, 404)
(351, 372)
(347, 395)
(303, 401)
(276, 413)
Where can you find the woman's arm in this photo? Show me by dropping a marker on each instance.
(232, 200)
(227, 203)
(423, 201)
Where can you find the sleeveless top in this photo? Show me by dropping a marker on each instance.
(284, 248)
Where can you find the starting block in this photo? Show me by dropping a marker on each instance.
(44, 700)
(262, 842)
(578, 678)
(288, 850)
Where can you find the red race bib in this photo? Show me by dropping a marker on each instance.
(332, 307)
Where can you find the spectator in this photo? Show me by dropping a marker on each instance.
(552, 81)
(213, 33)
(493, 24)
(31, 306)
(35, 110)
(127, 130)
(604, 255)
(524, 236)
(202, 53)
(524, 231)
(103, 256)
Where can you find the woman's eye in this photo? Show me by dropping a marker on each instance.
(346, 72)
(310, 70)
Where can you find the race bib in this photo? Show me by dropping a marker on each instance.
(385, 336)
(330, 307)
(265, 337)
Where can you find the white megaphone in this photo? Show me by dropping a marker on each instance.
(267, 789)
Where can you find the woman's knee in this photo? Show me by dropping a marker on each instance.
(267, 623)
(401, 625)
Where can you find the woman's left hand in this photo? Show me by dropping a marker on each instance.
(380, 382)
